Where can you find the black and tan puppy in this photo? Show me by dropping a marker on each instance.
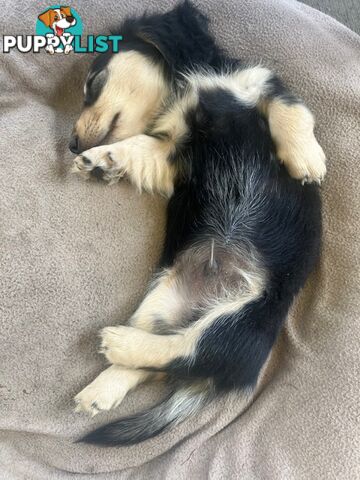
(236, 154)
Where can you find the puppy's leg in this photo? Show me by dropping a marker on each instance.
(147, 160)
(151, 328)
(109, 389)
(160, 312)
(164, 306)
(290, 121)
(230, 343)
(142, 159)
(292, 129)
(135, 348)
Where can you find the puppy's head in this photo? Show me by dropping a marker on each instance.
(122, 93)
(58, 19)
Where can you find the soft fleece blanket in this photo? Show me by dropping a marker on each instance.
(76, 256)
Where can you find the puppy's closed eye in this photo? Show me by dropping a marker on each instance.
(94, 85)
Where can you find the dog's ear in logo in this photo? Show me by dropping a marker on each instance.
(47, 17)
(66, 11)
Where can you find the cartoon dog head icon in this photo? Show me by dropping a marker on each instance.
(58, 19)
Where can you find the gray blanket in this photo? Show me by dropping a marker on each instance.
(76, 256)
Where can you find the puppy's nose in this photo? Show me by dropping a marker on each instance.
(70, 19)
(74, 144)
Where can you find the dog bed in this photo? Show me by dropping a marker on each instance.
(76, 256)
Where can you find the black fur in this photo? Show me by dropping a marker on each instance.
(159, 36)
(276, 88)
(236, 192)
(233, 164)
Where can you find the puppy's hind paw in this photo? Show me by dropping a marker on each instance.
(306, 162)
(107, 391)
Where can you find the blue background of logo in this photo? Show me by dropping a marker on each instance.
(42, 29)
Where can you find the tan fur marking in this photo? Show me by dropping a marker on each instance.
(292, 129)
(163, 302)
(248, 85)
(172, 122)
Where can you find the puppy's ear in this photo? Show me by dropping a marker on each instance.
(66, 11)
(47, 17)
(150, 38)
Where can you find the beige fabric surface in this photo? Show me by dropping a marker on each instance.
(76, 256)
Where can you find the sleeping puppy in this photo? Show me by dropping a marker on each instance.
(235, 153)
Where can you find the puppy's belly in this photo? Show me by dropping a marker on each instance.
(212, 272)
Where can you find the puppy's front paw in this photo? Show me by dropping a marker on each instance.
(100, 163)
(305, 162)
(122, 345)
(105, 392)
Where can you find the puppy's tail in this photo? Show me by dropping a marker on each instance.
(183, 402)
